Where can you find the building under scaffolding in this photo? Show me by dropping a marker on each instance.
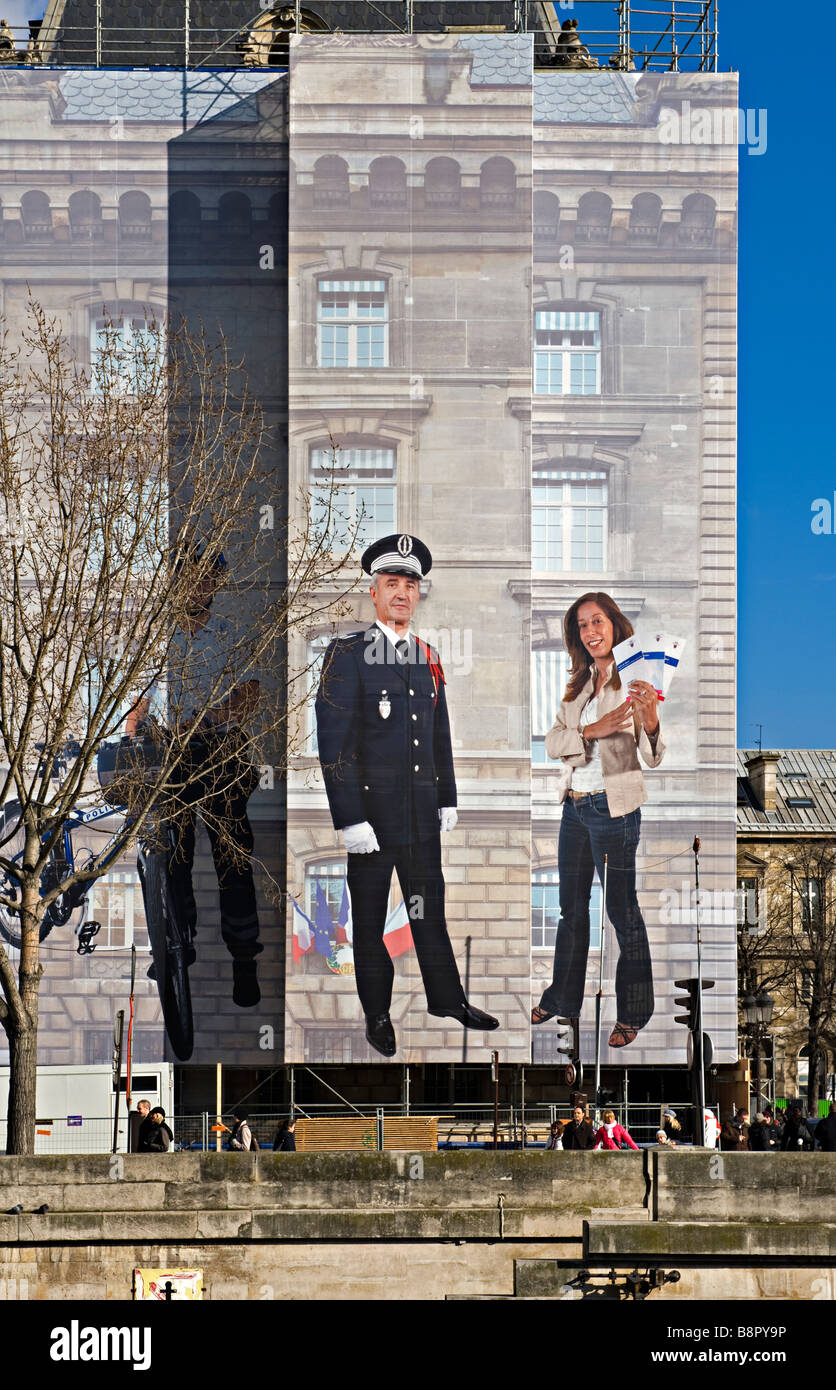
(652, 35)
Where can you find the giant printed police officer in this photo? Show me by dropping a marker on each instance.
(384, 745)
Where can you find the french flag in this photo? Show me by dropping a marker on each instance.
(344, 920)
(303, 933)
(397, 933)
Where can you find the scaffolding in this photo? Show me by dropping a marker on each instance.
(625, 35)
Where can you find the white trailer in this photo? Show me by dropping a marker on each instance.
(75, 1105)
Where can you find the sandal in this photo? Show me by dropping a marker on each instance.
(622, 1035)
(539, 1015)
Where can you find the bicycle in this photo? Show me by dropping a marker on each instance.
(169, 934)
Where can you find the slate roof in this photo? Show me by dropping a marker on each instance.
(499, 59)
(802, 774)
(135, 95)
(584, 98)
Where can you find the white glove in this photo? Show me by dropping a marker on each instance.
(448, 817)
(360, 839)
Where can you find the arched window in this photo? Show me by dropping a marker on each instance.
(85, 209)
(352, 323)
(135, 216)
(567, 352)
(696, 223)
(546, 217)
(387, 183)
(645, 218)
(235, 216)
(354, 493)
(594, 219)
(36, 215)
(331, 187)
(184, 215)
(498, 183)
(442, 183)
(568, 521)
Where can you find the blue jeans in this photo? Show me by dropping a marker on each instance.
(587, 833)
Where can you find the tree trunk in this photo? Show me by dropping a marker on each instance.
(22, 1028)
(814, 1052)
(23, 1073)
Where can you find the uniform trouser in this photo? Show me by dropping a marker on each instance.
(418, 866)
(221, 796)
(587, 833)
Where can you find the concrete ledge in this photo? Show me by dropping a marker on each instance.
(709, 1240)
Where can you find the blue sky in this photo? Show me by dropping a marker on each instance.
(787, 574)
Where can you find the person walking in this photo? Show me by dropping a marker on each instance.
(598, 733)
(759, 1140)
(826, 1130)
(285, 1139)
(796, 1137)
(154, 1135)
(555, 1139)
(734, 1136)
(579, 1133)
(241, 1136)
(383, 736)
(612, 1135)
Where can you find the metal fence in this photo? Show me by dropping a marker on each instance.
(459, 1126)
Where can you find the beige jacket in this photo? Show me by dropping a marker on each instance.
(623, 780)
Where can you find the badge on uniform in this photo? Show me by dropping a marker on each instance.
(384, 705)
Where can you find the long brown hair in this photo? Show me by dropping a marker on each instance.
(579, 656)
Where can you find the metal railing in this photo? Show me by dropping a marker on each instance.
(469, 1124)
(647, 35)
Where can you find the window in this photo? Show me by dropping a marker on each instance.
(749, 906)
(330, 877)
(810, 892)
(549, 676)
(569, 521)
(352, 324)
(125, 348)
(353, 493)
(567, 353)
(116, 902)
(545, 911)
(696, 223)
(546, 217)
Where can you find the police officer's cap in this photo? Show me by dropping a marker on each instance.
(398, 555)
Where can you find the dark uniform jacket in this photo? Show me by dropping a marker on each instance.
(384, 738)
(580, 1136)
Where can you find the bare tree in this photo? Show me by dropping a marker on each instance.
(122, 492)
(791, 951)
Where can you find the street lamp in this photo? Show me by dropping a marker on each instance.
(757, 1011)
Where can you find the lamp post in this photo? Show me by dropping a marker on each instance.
(757, 1011)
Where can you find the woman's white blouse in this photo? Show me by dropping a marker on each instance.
(590, 777)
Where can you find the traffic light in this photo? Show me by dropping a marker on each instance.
(691, 1002)
(568, 1051)
(692, 1021)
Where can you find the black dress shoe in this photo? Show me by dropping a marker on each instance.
(381, 1034)
(468, 1017)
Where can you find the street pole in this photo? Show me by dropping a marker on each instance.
(495, 1062)
(699, 1028)
(118, 1033)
